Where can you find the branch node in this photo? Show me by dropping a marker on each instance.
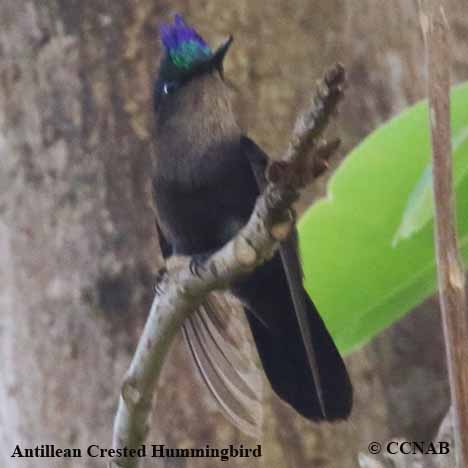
(130, 393)
(456, 277)
(281, 230)
(245, 254)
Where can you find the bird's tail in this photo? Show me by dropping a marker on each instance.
(279, 340)
(219, 342)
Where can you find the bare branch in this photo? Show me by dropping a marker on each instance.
(451, 277)
(182, 291)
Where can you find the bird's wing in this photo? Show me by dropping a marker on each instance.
(292, 266)
(219, 340)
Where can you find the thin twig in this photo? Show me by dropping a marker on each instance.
(451, 277)
(182, 291)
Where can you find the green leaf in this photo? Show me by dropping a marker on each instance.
(420, 208)
(361, 275)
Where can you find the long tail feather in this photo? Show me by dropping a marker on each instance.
(228, 371)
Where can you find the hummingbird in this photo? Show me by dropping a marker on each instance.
(207, 175)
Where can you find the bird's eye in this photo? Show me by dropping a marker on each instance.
(169, 87)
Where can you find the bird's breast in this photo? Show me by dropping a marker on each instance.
(203, 199)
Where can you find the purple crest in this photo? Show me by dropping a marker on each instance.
(183, 44)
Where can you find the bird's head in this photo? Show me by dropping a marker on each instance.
(190, 77)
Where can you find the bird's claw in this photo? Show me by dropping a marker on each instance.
(197, 264)
(160, 276)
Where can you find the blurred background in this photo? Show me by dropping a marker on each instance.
(78, 248)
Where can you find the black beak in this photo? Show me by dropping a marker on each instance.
(218, 57)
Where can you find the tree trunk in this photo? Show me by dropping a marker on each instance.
(79, 249)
